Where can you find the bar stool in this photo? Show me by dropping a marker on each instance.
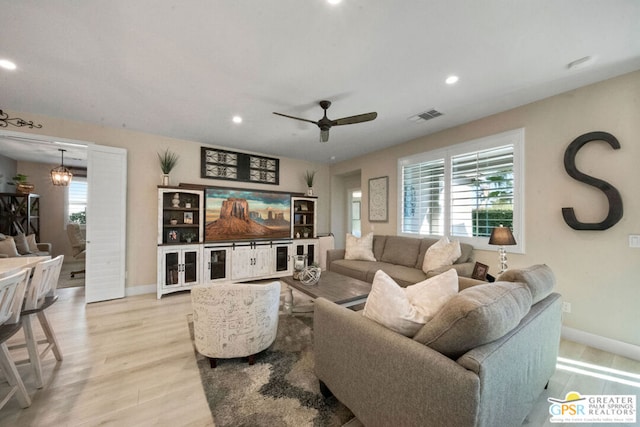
(12, 290)
(40, 295)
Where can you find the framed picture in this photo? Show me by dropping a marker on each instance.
(379, 199)
(173, 236)
(480, 271)
(188, 218)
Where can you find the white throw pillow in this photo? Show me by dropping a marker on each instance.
(389, 305)
(359, 248)
(441, 254)
(430, 295)
(33, 245)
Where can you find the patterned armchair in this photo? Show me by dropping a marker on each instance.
(234, 319)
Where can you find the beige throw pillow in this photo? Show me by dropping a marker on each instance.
(389, 306)
(441, 254)
(430, 295)
(21, 244)
(8, 247)
(33, 245)
(359, 248)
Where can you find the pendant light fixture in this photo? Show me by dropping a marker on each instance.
(61, 175)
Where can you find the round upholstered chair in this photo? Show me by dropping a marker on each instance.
(234, 319)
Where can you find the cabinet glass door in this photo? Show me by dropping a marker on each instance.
(217, 264)
(311, 254)
(172, 268)
(282, 256)
(190, 267)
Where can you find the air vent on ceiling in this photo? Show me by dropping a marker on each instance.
(427, 115)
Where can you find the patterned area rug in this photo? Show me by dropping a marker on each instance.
(280, 389)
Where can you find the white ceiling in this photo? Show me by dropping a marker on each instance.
(184, 68)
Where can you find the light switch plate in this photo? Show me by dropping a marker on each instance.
(634, 240)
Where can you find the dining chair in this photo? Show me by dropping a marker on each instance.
(40, 295)
(12, 290)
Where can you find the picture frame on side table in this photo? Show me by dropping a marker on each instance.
(379, 199)
(480, 271)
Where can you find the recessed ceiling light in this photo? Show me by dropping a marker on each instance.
(333, 1)
(451, 80)
(237, 119)
(7, 65)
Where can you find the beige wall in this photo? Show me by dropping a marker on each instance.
(144, 176)
(596, 271)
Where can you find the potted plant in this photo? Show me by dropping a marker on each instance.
(189, 236)
(168, 161)
(22, 186)
(308, 178)
(306, 231)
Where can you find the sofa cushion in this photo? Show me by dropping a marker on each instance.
(401, 250)
(8, 247)
(353, 268)
(378, 246)
(359, 248)
(404, 276)
(388, 305)
(538, 278)
(440, 254)
(430, 295)
(476, 316)
(22, 245)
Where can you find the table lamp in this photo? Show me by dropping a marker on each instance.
(502, 236)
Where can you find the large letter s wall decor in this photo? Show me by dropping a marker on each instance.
(613, 195)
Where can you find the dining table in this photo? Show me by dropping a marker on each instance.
(14, 264)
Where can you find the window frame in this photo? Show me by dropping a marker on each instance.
(515, 137)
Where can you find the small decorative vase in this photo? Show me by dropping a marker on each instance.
(176, 200)
(173, 221)
(165, 180)
(309, 191)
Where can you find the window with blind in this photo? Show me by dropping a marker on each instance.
(464, 191)
(77, 200)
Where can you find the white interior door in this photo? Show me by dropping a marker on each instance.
(106, 223)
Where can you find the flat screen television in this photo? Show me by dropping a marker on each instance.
(240, 214)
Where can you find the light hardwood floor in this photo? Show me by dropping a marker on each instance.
(130, 362)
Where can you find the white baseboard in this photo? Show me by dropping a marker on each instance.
(607, 344)
(140, 290)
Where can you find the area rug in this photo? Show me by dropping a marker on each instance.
(65, 280)
(280, 389)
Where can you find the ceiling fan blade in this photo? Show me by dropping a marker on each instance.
(296, 118)
(355, 119)
(324, 135)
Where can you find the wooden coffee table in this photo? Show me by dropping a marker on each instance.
(342, 290)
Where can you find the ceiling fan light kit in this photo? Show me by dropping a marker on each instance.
(326, 123)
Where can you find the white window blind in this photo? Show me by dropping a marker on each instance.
(465, 190)
(77, 196)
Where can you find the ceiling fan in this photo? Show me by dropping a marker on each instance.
(325, 123)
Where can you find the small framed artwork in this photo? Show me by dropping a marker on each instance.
(480, 271)
(379, 199)
(173, 236)
(188, 218)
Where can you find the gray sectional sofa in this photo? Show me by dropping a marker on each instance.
(400, 257)
(483, 360)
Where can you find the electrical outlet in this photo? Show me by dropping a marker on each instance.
(566, 307)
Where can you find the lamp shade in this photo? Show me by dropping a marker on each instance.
(502, 236)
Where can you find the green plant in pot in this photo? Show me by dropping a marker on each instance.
(168, 160)
(189, 236)
(309, 176)
(22, 186)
